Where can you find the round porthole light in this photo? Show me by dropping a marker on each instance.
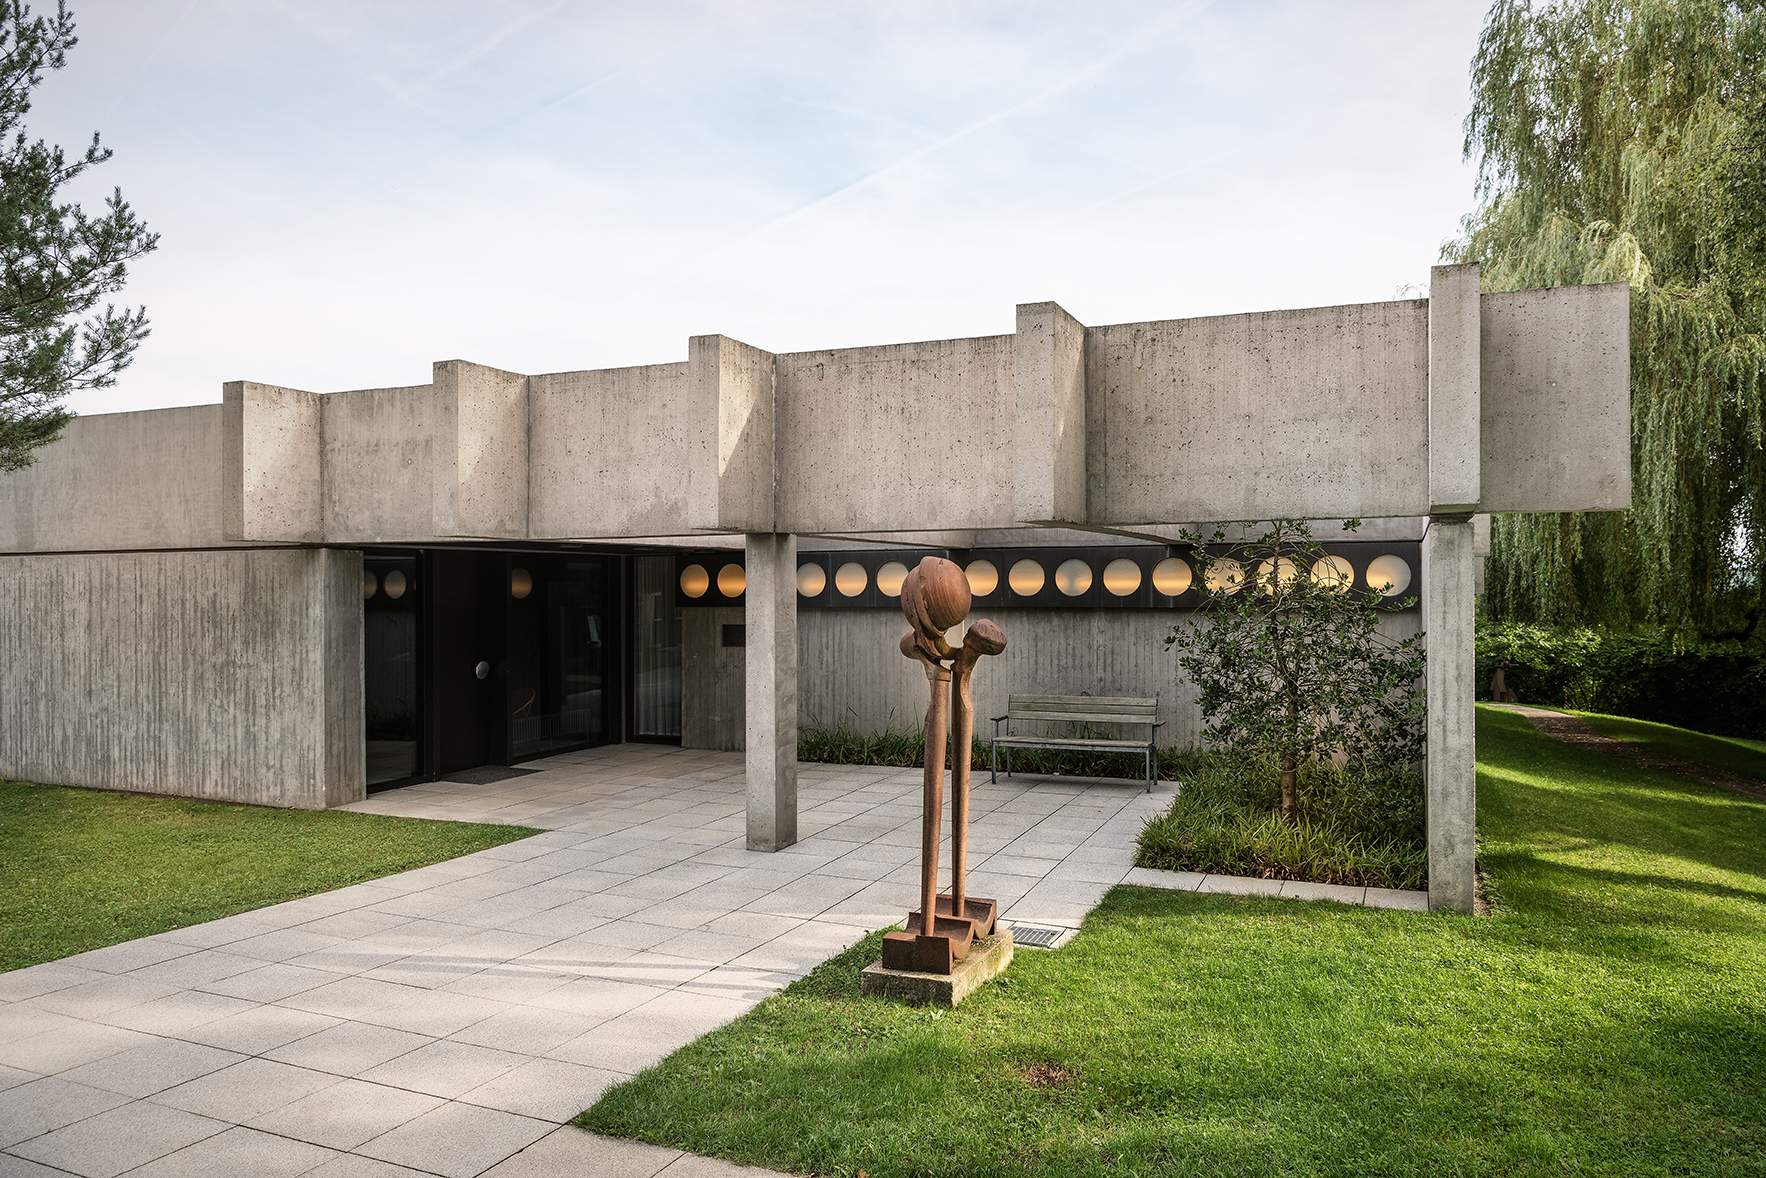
(520, 583)
(1172, 576)
(732, 579)
(1333, 572)
(984, 578)
(695, 580)
(851, 579)
(1073, 577)
(811, 580)
(1279, 577)
(1026, 578)
(370, 584)
(1122, 576)
(1225, 575)
(890, 577)
(1389, 574)
(395, 584)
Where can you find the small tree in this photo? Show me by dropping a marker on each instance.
(56, 260)
(1289, 661)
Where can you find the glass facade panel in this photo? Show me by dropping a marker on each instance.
(656, 647)
(390, 665)
(563, 654)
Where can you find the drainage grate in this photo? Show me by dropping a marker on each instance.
(1036, 936)
(486, 775)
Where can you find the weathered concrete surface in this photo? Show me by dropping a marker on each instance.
(770, 658)
(272, 445)
(900, 437)
(150, 479)
(1455, 459)
(480, 451)
(731, 471)
(610, 451)
(1556, 379)
(231, 674)
(1322, 411)
(1048, 438)
(1447, 596)
(987, 959)
(379, 464)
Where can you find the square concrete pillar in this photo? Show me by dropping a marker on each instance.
(1452, 796)
(770, 654)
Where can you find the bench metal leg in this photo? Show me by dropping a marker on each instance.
(993, 763)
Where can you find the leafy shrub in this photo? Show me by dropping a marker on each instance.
(903, 746)
(1707, 686)
(1358, 827)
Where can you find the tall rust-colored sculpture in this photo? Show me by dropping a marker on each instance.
(935, 597)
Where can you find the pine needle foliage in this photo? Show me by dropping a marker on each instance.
(1625, 141)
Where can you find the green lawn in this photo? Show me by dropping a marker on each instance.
(1732, 754)
(1610, 1017)
(81, 868)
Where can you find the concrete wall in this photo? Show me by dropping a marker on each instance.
(120, 480)
(222, 674)
(851, 672)
(900, 437)
(1322, 411)
(379, 464)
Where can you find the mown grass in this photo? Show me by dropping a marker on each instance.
(83, 868)
(1608, 1018)
(1731, 754)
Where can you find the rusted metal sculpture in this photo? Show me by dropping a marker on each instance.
(935, 597)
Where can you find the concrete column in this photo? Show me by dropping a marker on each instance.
(770, 654)
(1448, 563)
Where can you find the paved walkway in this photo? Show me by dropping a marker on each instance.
(450, 1019)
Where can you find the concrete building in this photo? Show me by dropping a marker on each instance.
(292, 597)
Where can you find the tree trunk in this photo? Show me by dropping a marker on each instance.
(1291, 762)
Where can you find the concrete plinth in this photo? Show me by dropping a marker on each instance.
(770, 654)
(1448, 563)
(987, 959)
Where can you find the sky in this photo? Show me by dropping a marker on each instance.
(348, 191)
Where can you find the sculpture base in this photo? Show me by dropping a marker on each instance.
(937, 952)
(987, 959)
(982, 913)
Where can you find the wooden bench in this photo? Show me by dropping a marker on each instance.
(1117, 711)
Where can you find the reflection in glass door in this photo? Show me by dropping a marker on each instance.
(390, 691)
(563, 657)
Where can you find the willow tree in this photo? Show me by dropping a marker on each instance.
(1625, 141)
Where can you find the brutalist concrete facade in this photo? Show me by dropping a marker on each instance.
(1417, 414)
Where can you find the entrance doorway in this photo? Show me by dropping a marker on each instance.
(475, 658)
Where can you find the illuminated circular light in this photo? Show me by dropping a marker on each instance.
(1073, 577)
(1025, 578)
(1280, 577)
(1225, 575)
(811, 580)
(850, 579)
(1333, 572)
(395, 584)
(890, 577)
(1389, 574)
(983, 577)
(695, 580)
(732, 579)
(370, 584)
(1122, 576)
(520, 583)
(1172, 576)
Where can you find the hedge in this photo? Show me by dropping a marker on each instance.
(1717, 687)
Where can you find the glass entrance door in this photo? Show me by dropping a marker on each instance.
(563, 660)
(391, 667)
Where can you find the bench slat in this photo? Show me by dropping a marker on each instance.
(1083, 718)
(1115, 701)
(1068, 742)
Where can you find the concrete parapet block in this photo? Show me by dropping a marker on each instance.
(1452, 773)
(480, 485)
(271, 479)
(1048, 427)
(1455, 396)
(733, 449)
